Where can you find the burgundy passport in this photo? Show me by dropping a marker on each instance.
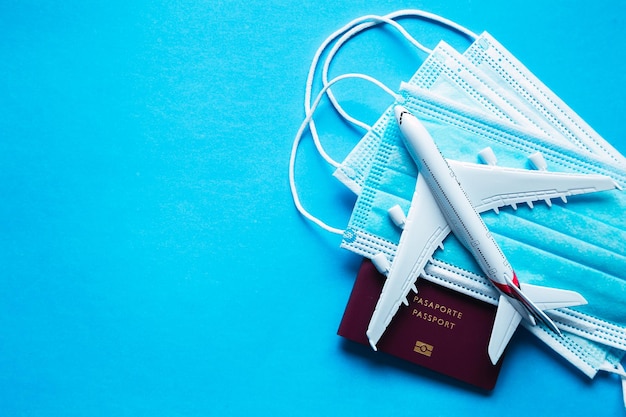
(441, 329)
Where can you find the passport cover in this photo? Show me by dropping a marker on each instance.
(441, 329)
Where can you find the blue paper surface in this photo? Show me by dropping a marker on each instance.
(151, 260)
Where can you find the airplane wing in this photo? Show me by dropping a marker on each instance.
(490, 187)
(424, 231)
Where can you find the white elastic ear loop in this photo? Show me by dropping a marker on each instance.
(343, 40)
(298, 138)
(398, 14)
(313, 68)
(350, 30)
(388, 19)
(618, 370)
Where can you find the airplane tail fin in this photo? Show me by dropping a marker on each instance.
(529, 302)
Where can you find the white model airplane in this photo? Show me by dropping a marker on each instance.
(448, 197)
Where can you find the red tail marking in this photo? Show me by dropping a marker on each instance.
(506, 288)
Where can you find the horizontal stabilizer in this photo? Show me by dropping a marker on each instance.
(532, 300)
(546, 298)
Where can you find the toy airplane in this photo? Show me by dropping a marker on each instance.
(448, 197)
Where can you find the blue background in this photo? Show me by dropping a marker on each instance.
(151, 260)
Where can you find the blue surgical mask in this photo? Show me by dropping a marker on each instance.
(540, 104)
(549, 234)
(488, 78)
(504, 106)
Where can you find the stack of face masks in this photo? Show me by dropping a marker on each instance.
(485, 98)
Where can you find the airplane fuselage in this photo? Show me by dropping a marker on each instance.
(462, 217)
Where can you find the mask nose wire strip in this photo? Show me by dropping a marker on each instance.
(354, 27)
(298, 138)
